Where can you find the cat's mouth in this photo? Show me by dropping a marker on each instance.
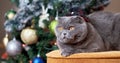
(67, 40)
(64, 37)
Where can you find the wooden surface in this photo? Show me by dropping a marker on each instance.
(94, 57)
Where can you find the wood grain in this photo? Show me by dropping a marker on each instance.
(94, 57)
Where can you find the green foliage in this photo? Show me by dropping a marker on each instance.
(15, 1)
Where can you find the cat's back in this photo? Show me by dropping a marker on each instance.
(102, 21)
(107, 24)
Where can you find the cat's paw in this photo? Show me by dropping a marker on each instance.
(65, 54)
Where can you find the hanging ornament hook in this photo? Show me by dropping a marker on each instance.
(56, 18)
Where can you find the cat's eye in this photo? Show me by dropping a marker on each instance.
(60, 28)
(71, 28)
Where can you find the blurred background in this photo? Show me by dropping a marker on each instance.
(6, 5)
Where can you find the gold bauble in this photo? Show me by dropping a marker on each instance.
(29, 36)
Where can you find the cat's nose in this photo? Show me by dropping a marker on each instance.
(64, 33)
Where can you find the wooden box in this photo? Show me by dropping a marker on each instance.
(94, 57)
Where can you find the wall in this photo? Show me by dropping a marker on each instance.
(5, 5)
(114, 6)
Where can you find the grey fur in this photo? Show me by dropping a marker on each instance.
(102, 33)
(108, 26)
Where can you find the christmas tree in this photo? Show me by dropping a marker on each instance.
(30, 28)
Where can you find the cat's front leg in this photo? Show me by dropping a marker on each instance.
(66, 53)
(65, 50)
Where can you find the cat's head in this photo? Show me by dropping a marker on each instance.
(71, 29)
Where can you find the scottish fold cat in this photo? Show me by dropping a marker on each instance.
(101, 33)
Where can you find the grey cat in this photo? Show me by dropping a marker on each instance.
(101, 33)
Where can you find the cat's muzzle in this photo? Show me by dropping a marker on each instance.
(65, 39)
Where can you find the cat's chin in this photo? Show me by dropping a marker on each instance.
(66, 41)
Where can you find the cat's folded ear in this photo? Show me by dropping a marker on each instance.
(78, 19)
(75, 19)
(60, 18)
(64, 19)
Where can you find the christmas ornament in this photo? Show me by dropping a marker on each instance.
(37, 60)
(41, 24)
(5, 39)
(10, 14)
(44, 16)
(13, 47)
(4, 56)
(29, 36)
(53, 25)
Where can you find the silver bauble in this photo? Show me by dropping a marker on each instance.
(13, 47)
